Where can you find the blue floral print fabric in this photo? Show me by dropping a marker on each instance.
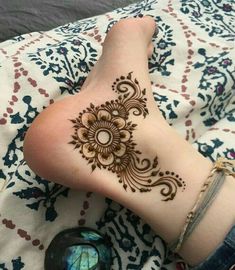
(193, 82)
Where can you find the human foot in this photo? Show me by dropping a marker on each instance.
(102, 131)
(112, 139)
(102, 138)
(43, 134)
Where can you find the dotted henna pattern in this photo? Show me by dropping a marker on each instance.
(104, 137)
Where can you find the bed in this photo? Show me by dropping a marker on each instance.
(193, 82)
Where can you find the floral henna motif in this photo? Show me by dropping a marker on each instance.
(104, 137)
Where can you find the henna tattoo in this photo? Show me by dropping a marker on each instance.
(104, 137)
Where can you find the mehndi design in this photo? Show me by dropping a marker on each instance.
(104, 137)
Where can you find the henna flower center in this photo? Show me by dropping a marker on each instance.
(104, 137)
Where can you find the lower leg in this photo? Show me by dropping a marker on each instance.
(111, 148)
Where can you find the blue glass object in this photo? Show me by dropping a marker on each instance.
(78, 249)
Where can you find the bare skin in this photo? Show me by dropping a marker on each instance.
(49, 152)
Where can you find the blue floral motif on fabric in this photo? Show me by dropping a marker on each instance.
(16, 264)
(71, 29)
(216, 17)
(162, 55)
(67, 62)
(128, 232)
(215, 84)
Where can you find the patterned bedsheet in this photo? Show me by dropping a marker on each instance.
(193, 82)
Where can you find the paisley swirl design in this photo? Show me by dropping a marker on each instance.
(104, 136)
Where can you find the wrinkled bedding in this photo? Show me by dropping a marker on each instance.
(25, 16)
(193, 82)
